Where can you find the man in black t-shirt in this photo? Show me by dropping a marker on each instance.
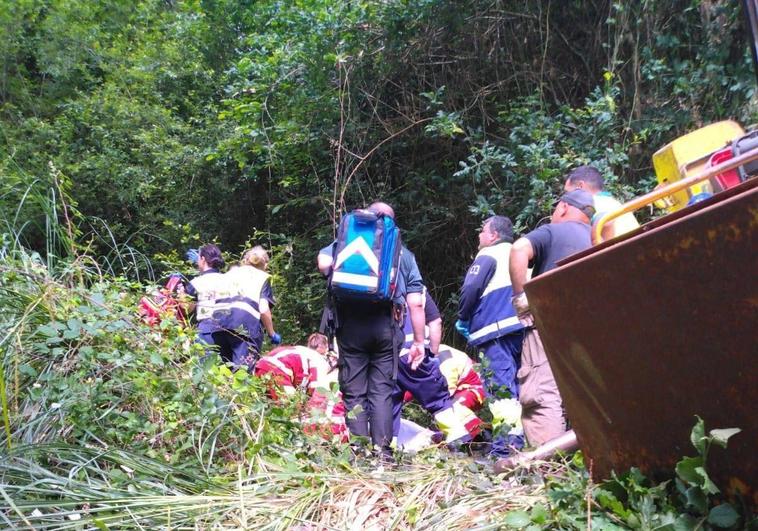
(568, 233)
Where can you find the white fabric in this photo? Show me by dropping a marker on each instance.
(412, 437)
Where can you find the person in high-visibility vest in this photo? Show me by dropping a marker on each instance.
(293, 368)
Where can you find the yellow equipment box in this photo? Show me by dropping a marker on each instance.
(688, 155)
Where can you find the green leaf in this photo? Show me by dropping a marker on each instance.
(721, 436)
(723, 515)
(539, 514)
(48, 331)
(517, 519)
(706, 484)
(156, 358)
(697, 436)
(608, 501)
(100, 525)
(697, 499)
(685, 522)
(686, 469)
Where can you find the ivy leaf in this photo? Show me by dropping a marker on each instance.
(697, 436)
(686, 469)
(48, 331)
(721, 436)
(723, 515)
(517, 519)
(697, 499)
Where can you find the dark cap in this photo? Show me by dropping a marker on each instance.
(580, 199)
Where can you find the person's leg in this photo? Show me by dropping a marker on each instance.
(542, 414)
(206, 339)
(431, 390)
(353, 382)
(381, 383)
(242, 353)
(222, 338)
(503, 359)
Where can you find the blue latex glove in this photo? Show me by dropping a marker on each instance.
(192, 255)
(275, 338)
(462, 327)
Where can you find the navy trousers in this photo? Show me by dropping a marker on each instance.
(502, 359)
(368, 340)
(233, 348)
(427, 384)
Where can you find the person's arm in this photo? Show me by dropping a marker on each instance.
(415, 303)
(521, 253)
(435, 335)
(324, 260)
(267, 318)
(414, 300)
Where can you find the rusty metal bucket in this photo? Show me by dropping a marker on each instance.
(645, 332)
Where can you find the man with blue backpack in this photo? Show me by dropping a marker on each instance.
(373, 280)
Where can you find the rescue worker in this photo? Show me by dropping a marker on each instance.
(485, 316)
(249, 305)
(567, 233)
(590, 179)
(464, 384)
(428, 385)
(206, 289)
(369, 336)
(294, 368)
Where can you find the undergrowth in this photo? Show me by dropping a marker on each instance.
(111, 424)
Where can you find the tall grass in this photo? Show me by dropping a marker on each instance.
(74, 489)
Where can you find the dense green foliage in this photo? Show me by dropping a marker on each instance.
(182, 122)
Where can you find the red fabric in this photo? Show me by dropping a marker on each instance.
(297, 368)
(154, 309)
(470, 386)
(468, 398)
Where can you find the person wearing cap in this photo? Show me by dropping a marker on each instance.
(567, 233)
(590, 179)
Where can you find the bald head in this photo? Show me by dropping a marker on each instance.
(382, 208)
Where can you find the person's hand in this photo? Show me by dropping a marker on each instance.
(521, 305)
(416, 355)
(462, 327)
(275, 338)
(192, 256)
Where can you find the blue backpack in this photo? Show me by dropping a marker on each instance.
(366, 257)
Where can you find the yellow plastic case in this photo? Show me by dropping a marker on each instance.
(689, 154)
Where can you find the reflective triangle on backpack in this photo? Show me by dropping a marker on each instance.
(366, 256)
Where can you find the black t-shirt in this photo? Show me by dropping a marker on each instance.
(556, 241)
(431, 312)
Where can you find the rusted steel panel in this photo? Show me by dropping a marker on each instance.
(646, 333)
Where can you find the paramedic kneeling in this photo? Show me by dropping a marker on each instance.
(369, 338)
